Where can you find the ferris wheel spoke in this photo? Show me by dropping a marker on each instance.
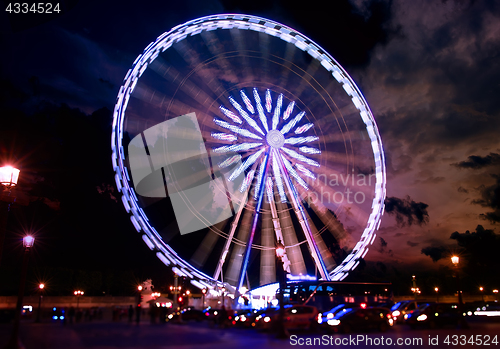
(229, 240)
(245, 116)
(304, 128)
(325, 254)
(300, 157)
(277, 111)
(236, 129)
(260, 110)
(269, 101)
(268, 254)
(294, 173)
(289, 110)
(299, 210)
(276, 221)
(234, 264)
(236, 147)
(248, 162)
(291, 124)
(258, 207)
(293, 251)
(301, 140)
(277, 177)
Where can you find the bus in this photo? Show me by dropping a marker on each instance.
(325, 295)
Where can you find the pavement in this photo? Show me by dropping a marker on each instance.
(123, 335)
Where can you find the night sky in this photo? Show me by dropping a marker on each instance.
(430, 73)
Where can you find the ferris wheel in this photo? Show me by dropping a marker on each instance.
(234, 132)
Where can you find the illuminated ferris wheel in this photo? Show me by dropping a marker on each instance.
(234, 132)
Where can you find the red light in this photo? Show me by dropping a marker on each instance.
(180, 299)
(363, 305)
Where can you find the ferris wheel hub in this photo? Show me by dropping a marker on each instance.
(275, 139)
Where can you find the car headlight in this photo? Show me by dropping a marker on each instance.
(329, 316)
(396, 313)
(333, 322)
(267, 319)
(422, 317)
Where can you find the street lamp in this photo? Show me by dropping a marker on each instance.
(40, 290)
(14, 342)
(223, 291)
(482, 293)
(78, 293)
(280, 252)
(8, 178)
(437, 294)
(462, 323)
(203, 293)
(495, 291)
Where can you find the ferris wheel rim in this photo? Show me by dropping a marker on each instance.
(270, 27)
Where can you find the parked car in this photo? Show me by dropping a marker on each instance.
(434, 315)
(295, 317)
(251, 317)
(400, 309)
(330, 314)
(361, 319)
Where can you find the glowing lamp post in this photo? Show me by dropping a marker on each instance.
(462, 323)
(14, 342)
(495, 291)
(8, 178)
(223, 292)
(40, 289)
(436, 289)
(203, 293)
(482, 293)
(78, 293)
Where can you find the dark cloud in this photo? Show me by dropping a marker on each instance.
(412, 244)
(476, 162)
(407, 211)
(490, 197)
(383, 247)
(438, 86)
(372, 23)
(436, 253)
(481, 248)
(462, 190)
